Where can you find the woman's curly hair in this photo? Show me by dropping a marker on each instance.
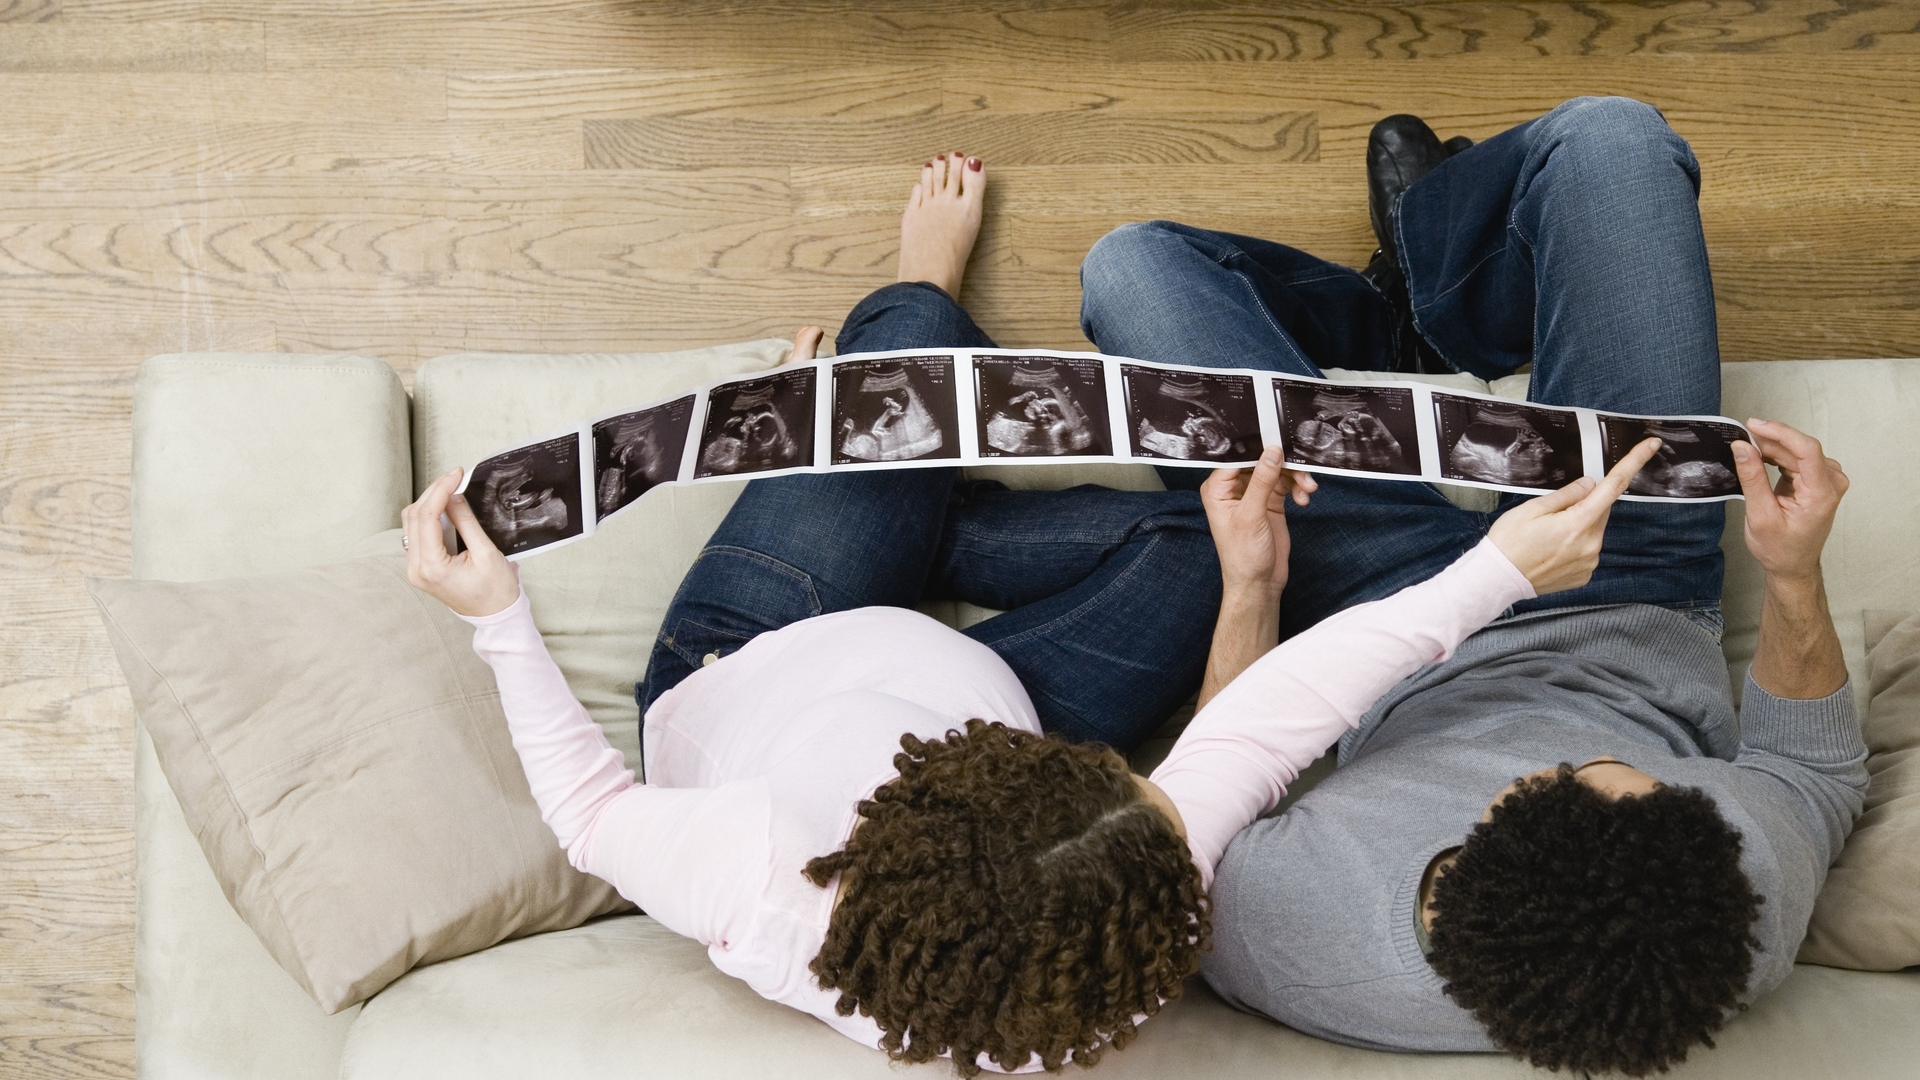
(1597, 934)
(1010, 895)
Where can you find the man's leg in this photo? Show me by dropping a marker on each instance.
(1574, 242)
(794, 547)
(1176, 294)
(1110, 599)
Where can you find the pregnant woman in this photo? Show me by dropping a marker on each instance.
(905, 830)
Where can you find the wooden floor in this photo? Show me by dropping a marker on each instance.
(403, 178)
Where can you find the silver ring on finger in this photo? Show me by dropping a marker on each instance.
(403, 541)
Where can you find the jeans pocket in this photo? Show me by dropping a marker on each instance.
(694, 641)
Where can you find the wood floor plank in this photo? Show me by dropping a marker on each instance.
(35, 343)
(70, 48)
(323, 147)
(1292, 32)
(60, 1057)
(196, 97)
(270, 245)
(33, 199)
(668, 34)
(1042, 139)
(855, 91)
(29, 11)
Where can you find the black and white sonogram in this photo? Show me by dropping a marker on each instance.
(638, 451)
(1351, 426)
(896, 409)
(1041, 406)
(1191, 416)
(1507, 442)
(1695, 460)
(529, 497)
(758, 424)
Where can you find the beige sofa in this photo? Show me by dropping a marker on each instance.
(248, 464)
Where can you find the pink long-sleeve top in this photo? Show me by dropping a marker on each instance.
(757, 762)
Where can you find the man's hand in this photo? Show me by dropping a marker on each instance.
(478, 581)
(1788, 523)
(1555, 539)
(1247, 513)
(1798, 654)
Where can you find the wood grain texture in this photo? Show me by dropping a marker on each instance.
(1042, 139)
(70, 48)
(1292, 32)
(406, 178)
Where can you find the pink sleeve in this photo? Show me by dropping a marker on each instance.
(1235, 760)
(656, 845)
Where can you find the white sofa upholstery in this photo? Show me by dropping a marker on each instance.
(248, 464)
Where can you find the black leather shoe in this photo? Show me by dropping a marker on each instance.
(1400, 150)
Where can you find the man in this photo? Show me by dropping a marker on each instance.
(1561, 842)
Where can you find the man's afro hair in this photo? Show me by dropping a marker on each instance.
(1597, 934)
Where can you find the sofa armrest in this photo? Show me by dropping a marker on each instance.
(251, 463)
(242, 464)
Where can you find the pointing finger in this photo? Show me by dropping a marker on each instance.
(1622, 474)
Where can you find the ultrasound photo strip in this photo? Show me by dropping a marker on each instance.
(939, 408)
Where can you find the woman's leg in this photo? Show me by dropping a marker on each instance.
(1573, 242)
(1173, 293)
(1110, 599)
(794, 547)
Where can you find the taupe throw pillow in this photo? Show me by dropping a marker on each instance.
(1868, 914)
(340, 753)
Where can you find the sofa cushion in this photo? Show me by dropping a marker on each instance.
(1868, 915)
(341, 756)
(627, 997)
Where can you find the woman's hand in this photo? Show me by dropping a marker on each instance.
(1555, 539)
(1788, 523)
(478, 581)
(1247, 513)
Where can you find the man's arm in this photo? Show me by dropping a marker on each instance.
(1798, 656)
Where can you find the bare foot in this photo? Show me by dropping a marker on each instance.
(806, 344)
(942, 219)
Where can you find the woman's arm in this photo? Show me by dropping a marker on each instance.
(1285, 706)
(657, 846)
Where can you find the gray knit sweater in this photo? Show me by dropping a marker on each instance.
(1314, 909)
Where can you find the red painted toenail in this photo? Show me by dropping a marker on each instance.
(973, 163)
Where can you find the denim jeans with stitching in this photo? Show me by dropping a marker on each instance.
(1571, 242)
(1109, 596)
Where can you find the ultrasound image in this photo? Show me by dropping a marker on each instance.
(1041, 406)
(529, 497)
(637, 451)
(1355, 426)
(897, 409)
(1507, 442)
(757, 425)
(1191, 416)
(1695, 460)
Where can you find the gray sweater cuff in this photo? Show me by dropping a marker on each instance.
(1820, 731)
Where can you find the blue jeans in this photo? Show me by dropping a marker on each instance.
(1571, 242)
(1109, 596)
